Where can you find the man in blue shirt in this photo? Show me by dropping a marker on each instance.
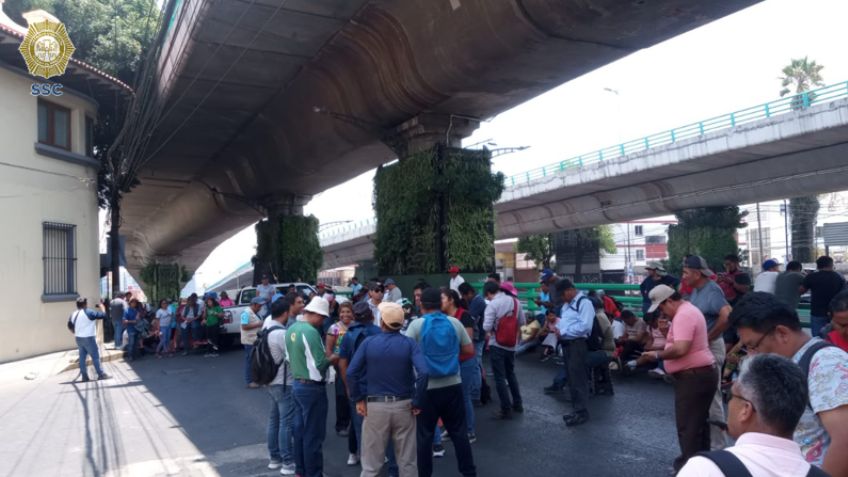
(362, 328)
(387, 393)
(573, 329)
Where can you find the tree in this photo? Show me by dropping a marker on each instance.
(708, 231)
(800, 76)
(538, 248)
(110, 35)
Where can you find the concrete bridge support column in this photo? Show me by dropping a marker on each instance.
(287, 247)
(434, 206)
(163, 277)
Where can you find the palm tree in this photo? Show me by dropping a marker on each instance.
(802, 75)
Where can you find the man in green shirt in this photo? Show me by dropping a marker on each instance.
(309, 365)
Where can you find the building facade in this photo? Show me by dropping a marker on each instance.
(49, 252)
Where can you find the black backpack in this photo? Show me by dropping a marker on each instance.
(731, 466)
(596, 338)
(263, 368)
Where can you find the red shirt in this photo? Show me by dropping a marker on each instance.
(836, 338)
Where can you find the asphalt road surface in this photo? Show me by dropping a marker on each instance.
(193, 416)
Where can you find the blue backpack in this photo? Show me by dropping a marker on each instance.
(440, 346)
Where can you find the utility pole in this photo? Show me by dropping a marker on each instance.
(786, 229)
(760, 233)
(627, 264)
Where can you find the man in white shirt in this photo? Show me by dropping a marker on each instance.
(766, 281)
(265, 291)
(83, 323)
(455, 278)
(766, 403)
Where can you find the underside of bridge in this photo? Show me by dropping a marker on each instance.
(273, 101)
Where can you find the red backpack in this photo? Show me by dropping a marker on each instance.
(507, 332)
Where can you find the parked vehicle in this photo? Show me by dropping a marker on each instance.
(231, 326)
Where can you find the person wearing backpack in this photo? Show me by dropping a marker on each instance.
(281, 420)
(503, 320)
(442, 338)
(388, 377)
(83, 324)
(574, 329)
(767, 325)
(766, 403)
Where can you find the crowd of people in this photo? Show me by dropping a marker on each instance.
(407, 374)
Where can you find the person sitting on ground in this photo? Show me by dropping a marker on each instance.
(543, 301)
(635, 337)
(212, 321)
(767, 325)
(766, 403)
(658, 326)
(548, 334)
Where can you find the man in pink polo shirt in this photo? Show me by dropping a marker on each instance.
(687, 358)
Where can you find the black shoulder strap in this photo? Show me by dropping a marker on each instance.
(729, 464)
(807, 358)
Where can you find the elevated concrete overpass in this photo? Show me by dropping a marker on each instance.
(756, 154)
(268, 102)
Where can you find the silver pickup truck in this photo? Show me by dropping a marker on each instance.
(231, 332)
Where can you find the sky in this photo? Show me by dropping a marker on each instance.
(727, 65)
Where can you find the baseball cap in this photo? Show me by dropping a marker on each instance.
(546, 275)
(391, 314)
(432, 298)
(453, 269)
(82, 300)
(362, 311)
(696, 262)
(770, 263)
(653, 265)
(389, 281)
(659, 294)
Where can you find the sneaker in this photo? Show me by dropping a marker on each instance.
(287, 469)
(445, 436)
(352, 459)
(518, 408)
(275, 464)
(575, 419)
(84, 380)
(472, 438)
(184, 353)
(343, 432)
(103, 376)
(552, 389)
(253, 386)
(656, 373)
(438, 450)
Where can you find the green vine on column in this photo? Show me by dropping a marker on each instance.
(408, 195)
(294, 254)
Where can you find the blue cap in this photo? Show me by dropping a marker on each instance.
(389, 281)
(770, 263)
(257, 301)
(547, 274)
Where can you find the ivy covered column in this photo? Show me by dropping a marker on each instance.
(287, 247)
(710, 232)
(163, 279)
(434, 206)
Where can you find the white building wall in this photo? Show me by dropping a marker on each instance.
(34, 189)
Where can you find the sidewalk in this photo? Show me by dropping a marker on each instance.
(51, 364)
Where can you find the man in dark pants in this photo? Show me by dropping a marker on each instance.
(503, 306)
(573, 329)
(443, 398)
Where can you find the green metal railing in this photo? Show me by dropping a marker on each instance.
(755, 113)
(627, 294)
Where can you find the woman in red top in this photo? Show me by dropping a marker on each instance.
(469, 369)
(839, 321)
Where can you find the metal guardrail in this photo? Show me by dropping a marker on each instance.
(529, 291)
(345, 229)
(755, 113)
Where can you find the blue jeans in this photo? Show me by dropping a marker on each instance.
(132, 343)
(816, 325)
(310, 427)
(164, 340)
(88, 347)
(119, 333)
(196, 334)
(247, 350)
(280, 424)
(470, 373)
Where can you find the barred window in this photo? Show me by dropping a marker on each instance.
(60, 259)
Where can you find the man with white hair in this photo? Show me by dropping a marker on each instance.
(766, 403)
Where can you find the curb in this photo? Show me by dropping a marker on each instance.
(107, 356)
